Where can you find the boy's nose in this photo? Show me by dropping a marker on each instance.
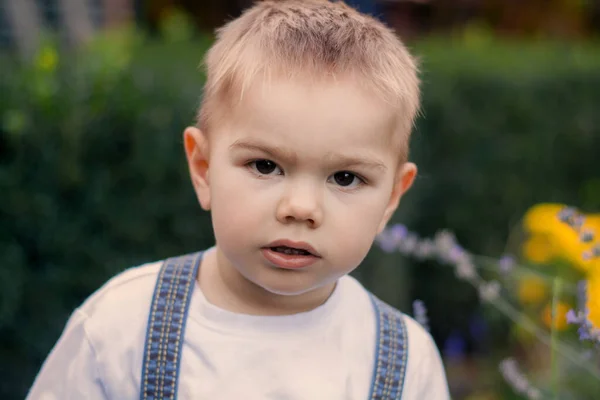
(300, 204)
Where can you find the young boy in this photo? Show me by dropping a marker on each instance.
(300, 154)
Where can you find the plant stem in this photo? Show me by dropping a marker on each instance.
(556, 288)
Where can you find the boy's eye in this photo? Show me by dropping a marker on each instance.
(264, 167)
(346, 179)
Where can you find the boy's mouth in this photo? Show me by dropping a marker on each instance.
(291, 248)
(291, 251)
(287, 254)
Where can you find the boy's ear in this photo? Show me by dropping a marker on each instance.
(196, 150)
(405, 177)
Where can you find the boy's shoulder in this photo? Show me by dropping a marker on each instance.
(424, 370)
(122, 302)
(357, 293)
(418, 337)
(357, 298)
(130, 284)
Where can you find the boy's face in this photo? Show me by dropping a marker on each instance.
(298, 165)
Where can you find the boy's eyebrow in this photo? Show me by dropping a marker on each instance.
(356, 161)
(278, 152)
(271, 151)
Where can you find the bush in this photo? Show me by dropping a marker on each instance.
(94, 180)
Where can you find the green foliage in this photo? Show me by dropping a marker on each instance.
(503, 128)
(93, 177)
(93, 180)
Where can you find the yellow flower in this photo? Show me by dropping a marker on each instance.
(47, 59)
(532, 290)
(560, 322)
(593, 298)
(542, 218)
(594, 221)
(538, 249)
(551, 238)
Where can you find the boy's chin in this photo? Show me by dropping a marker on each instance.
(286, 291)
(294, 294)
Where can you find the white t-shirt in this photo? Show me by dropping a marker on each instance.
(326, 353)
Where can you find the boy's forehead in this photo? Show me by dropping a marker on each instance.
(314, 105)
(325, 122)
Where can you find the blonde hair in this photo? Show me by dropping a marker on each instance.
(312, 38)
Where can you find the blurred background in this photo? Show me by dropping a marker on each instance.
(94, 96)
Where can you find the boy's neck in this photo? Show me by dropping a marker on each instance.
(224, 287)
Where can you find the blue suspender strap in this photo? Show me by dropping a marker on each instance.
(166, 327)
(391, 353)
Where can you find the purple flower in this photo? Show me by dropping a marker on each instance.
(571, 217)
(506, 264)
(489, 291)
(586, 330)
(420, 314)
(587, 236)
(566, 214)
(520, 384)
(596, 251)
(572, 317)
(578, 221)
(444, 241)
(398, 231)
(392, 238)
(386, 242)
(465, 270)
(409, 244)
(425, 249)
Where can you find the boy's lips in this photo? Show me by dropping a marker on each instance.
(290, 260)
(294, 245)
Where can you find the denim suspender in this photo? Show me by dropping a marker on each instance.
(391, 353)
(166, 327)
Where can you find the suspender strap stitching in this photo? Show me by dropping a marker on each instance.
(149, 340)
(389, 379)
(164, 340)
(391, 352)
(398, 337)
(159, 329)
(404, 363)
(395, 349)
(178, 327)
(377, 361)
(166, 326)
